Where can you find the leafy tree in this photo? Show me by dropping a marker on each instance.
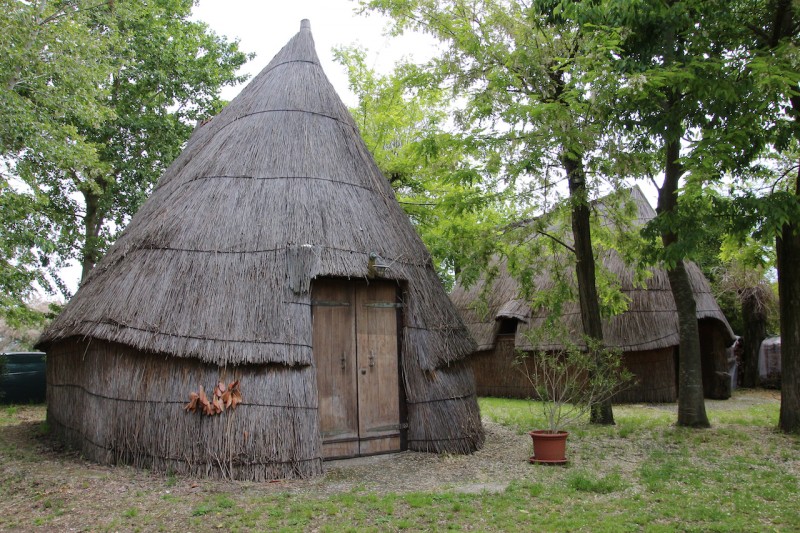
(19, 337)
(768, 45)
(432, 170)
(119, 85)
(681, 91)
(721, 97)
(536, 90)
(53, 69)
(779, 35)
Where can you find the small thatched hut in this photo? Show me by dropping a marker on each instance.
(273, 253)
(647, 333)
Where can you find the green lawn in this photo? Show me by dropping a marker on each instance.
(643, 474)
(646, 474)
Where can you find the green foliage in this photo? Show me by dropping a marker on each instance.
(532, 95)
(744, 278)
(540, 250)
(520, 76)
(96, 99)
(614, 89)
(23, 325)
(433, 171)
(52, 73)
(755, 219)
(691, 71)
(52, 77)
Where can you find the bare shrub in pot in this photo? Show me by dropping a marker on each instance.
(570, 380)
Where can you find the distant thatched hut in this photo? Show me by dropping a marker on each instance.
(647, 333)
(272, 252)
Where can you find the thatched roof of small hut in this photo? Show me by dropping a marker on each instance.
(276, 190)
(651, 321)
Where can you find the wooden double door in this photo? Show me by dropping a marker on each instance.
(356, 353)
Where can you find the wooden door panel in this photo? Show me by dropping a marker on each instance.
(355, 351)
(333, 309)
(389, 443)
(378, 381)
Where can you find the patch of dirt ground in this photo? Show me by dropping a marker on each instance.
(43, 484)
(56, 490)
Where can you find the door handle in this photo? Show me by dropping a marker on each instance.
(371, 358)
(344, 362)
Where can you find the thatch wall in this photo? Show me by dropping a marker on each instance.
(655, 377)
(214, 272)
(443, 414)
(498, 373)
(117, 405)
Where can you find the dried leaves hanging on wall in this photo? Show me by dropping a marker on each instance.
(222, 398)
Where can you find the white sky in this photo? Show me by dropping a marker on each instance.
(264, 26)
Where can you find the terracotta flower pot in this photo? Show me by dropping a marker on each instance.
(549, 447)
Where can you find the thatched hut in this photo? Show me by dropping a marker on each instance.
(273, 253)
(647, 333)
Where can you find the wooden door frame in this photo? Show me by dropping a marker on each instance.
(401, 295)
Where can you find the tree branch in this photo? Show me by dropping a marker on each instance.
(63, 13)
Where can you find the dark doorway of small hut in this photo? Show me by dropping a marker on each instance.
(357, 353)
(714, 364)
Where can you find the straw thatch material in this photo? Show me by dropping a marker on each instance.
(130, 409)
(647, 331)
(214, 272)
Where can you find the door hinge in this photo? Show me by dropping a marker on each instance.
(389, 427)
(329, 303)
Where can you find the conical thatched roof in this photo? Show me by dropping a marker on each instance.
(276, 190)
(651, 321)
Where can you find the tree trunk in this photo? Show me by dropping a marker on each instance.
(601, 413)
(788, 248)
(691, 404)
(92, 222)
(755, 331)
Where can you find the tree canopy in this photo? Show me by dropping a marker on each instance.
(682, 92)
(96, 100)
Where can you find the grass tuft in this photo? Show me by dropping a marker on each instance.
(583, 481)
